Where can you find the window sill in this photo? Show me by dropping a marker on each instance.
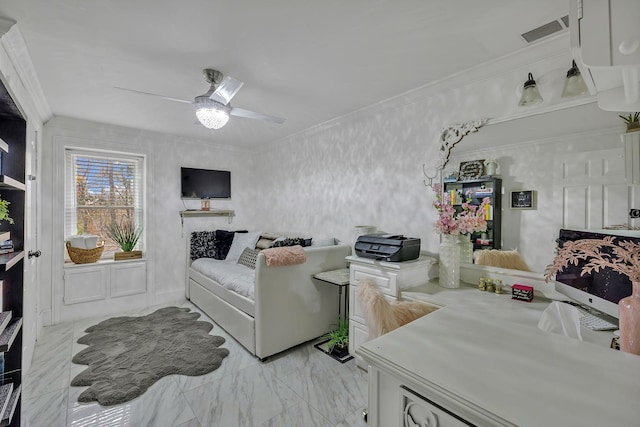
(104, 262)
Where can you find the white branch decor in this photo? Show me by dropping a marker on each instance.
(449, 137)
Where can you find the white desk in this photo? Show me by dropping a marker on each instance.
(483, 359)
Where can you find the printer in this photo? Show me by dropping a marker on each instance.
(387, 247)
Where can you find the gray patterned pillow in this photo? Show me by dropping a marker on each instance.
(248, 257)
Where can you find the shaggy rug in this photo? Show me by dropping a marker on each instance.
(126, 355)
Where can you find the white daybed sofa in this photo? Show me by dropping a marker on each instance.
(288, 307)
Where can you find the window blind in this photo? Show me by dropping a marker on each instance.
(102, 188)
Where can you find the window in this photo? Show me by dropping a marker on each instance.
(103, 188)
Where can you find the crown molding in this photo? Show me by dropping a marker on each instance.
(544, 55)
(16, 49)
(5, 25)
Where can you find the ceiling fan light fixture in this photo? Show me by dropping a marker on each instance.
(212, 117)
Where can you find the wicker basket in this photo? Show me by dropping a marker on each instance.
(84, 256)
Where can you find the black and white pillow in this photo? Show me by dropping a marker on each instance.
(224, 239)
(291, 241)
(203, 244)
(248, 257)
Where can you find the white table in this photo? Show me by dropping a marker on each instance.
(481, 358)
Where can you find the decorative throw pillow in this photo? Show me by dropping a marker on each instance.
(224, 239)
(241, 241)
(328, 241)
(248, 257)
(202, 244)
(292, 241)
(266, 240)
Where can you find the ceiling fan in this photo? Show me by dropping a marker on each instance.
(213, 108)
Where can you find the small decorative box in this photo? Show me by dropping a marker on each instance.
(522, 292)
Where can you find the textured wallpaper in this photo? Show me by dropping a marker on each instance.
(361, 169)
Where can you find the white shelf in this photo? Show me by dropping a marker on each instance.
(11, 406)
(5, 397)
(5, 235)
(9, 334)
(4, 146)
(213, 212)
(9, 260)
(8, 183)
(5, 317)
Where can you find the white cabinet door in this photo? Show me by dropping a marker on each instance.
(593, 189)
(128, 279)
(103, 288)
(85, 284)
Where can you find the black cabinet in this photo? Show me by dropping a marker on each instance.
(12, 189)
(476, 190)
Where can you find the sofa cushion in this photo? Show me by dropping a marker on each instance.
(326, 241)
(248, 257)
(240, 242)
(203, 244)
(229, 275)
(264, 242)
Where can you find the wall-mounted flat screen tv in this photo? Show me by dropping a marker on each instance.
(205, 184)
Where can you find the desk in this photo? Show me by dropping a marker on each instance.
(482, 358)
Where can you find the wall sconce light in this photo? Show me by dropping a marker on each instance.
(530, 93)
(574, 84)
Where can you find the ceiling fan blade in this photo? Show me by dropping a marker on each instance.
(226, 90)
(253, 115)
(153, 94)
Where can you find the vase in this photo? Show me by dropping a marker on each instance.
(450, 258)
(630, 321)
(491, 167)
(466, 249)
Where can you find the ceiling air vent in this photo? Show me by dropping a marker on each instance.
(546, 29)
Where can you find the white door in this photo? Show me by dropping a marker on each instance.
(31, 319)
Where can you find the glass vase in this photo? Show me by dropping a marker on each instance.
(466, 249)
(449, 267)
(630, 321)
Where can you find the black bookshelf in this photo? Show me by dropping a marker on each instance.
(456, 192)
(13, 130)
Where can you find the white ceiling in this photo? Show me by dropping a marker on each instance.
(309, 62)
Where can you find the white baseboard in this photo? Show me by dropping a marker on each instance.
(175, 296)
(46, 318)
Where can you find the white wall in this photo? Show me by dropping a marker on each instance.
(361, 169)
(165, 239)
(366, 168)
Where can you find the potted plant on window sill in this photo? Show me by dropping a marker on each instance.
(126, 234)
(632, 121)
(338, 344)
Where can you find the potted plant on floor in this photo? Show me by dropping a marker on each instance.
(126, 234)
(338, 344)
(632, 121)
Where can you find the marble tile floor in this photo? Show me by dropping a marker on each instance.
(300, 387)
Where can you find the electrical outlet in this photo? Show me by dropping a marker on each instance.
(634, 213)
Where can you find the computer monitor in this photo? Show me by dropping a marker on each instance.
(601, 289)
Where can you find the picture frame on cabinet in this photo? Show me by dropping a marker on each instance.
(469, 170)
(523, 199)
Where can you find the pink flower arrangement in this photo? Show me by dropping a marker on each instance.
(469, 220)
